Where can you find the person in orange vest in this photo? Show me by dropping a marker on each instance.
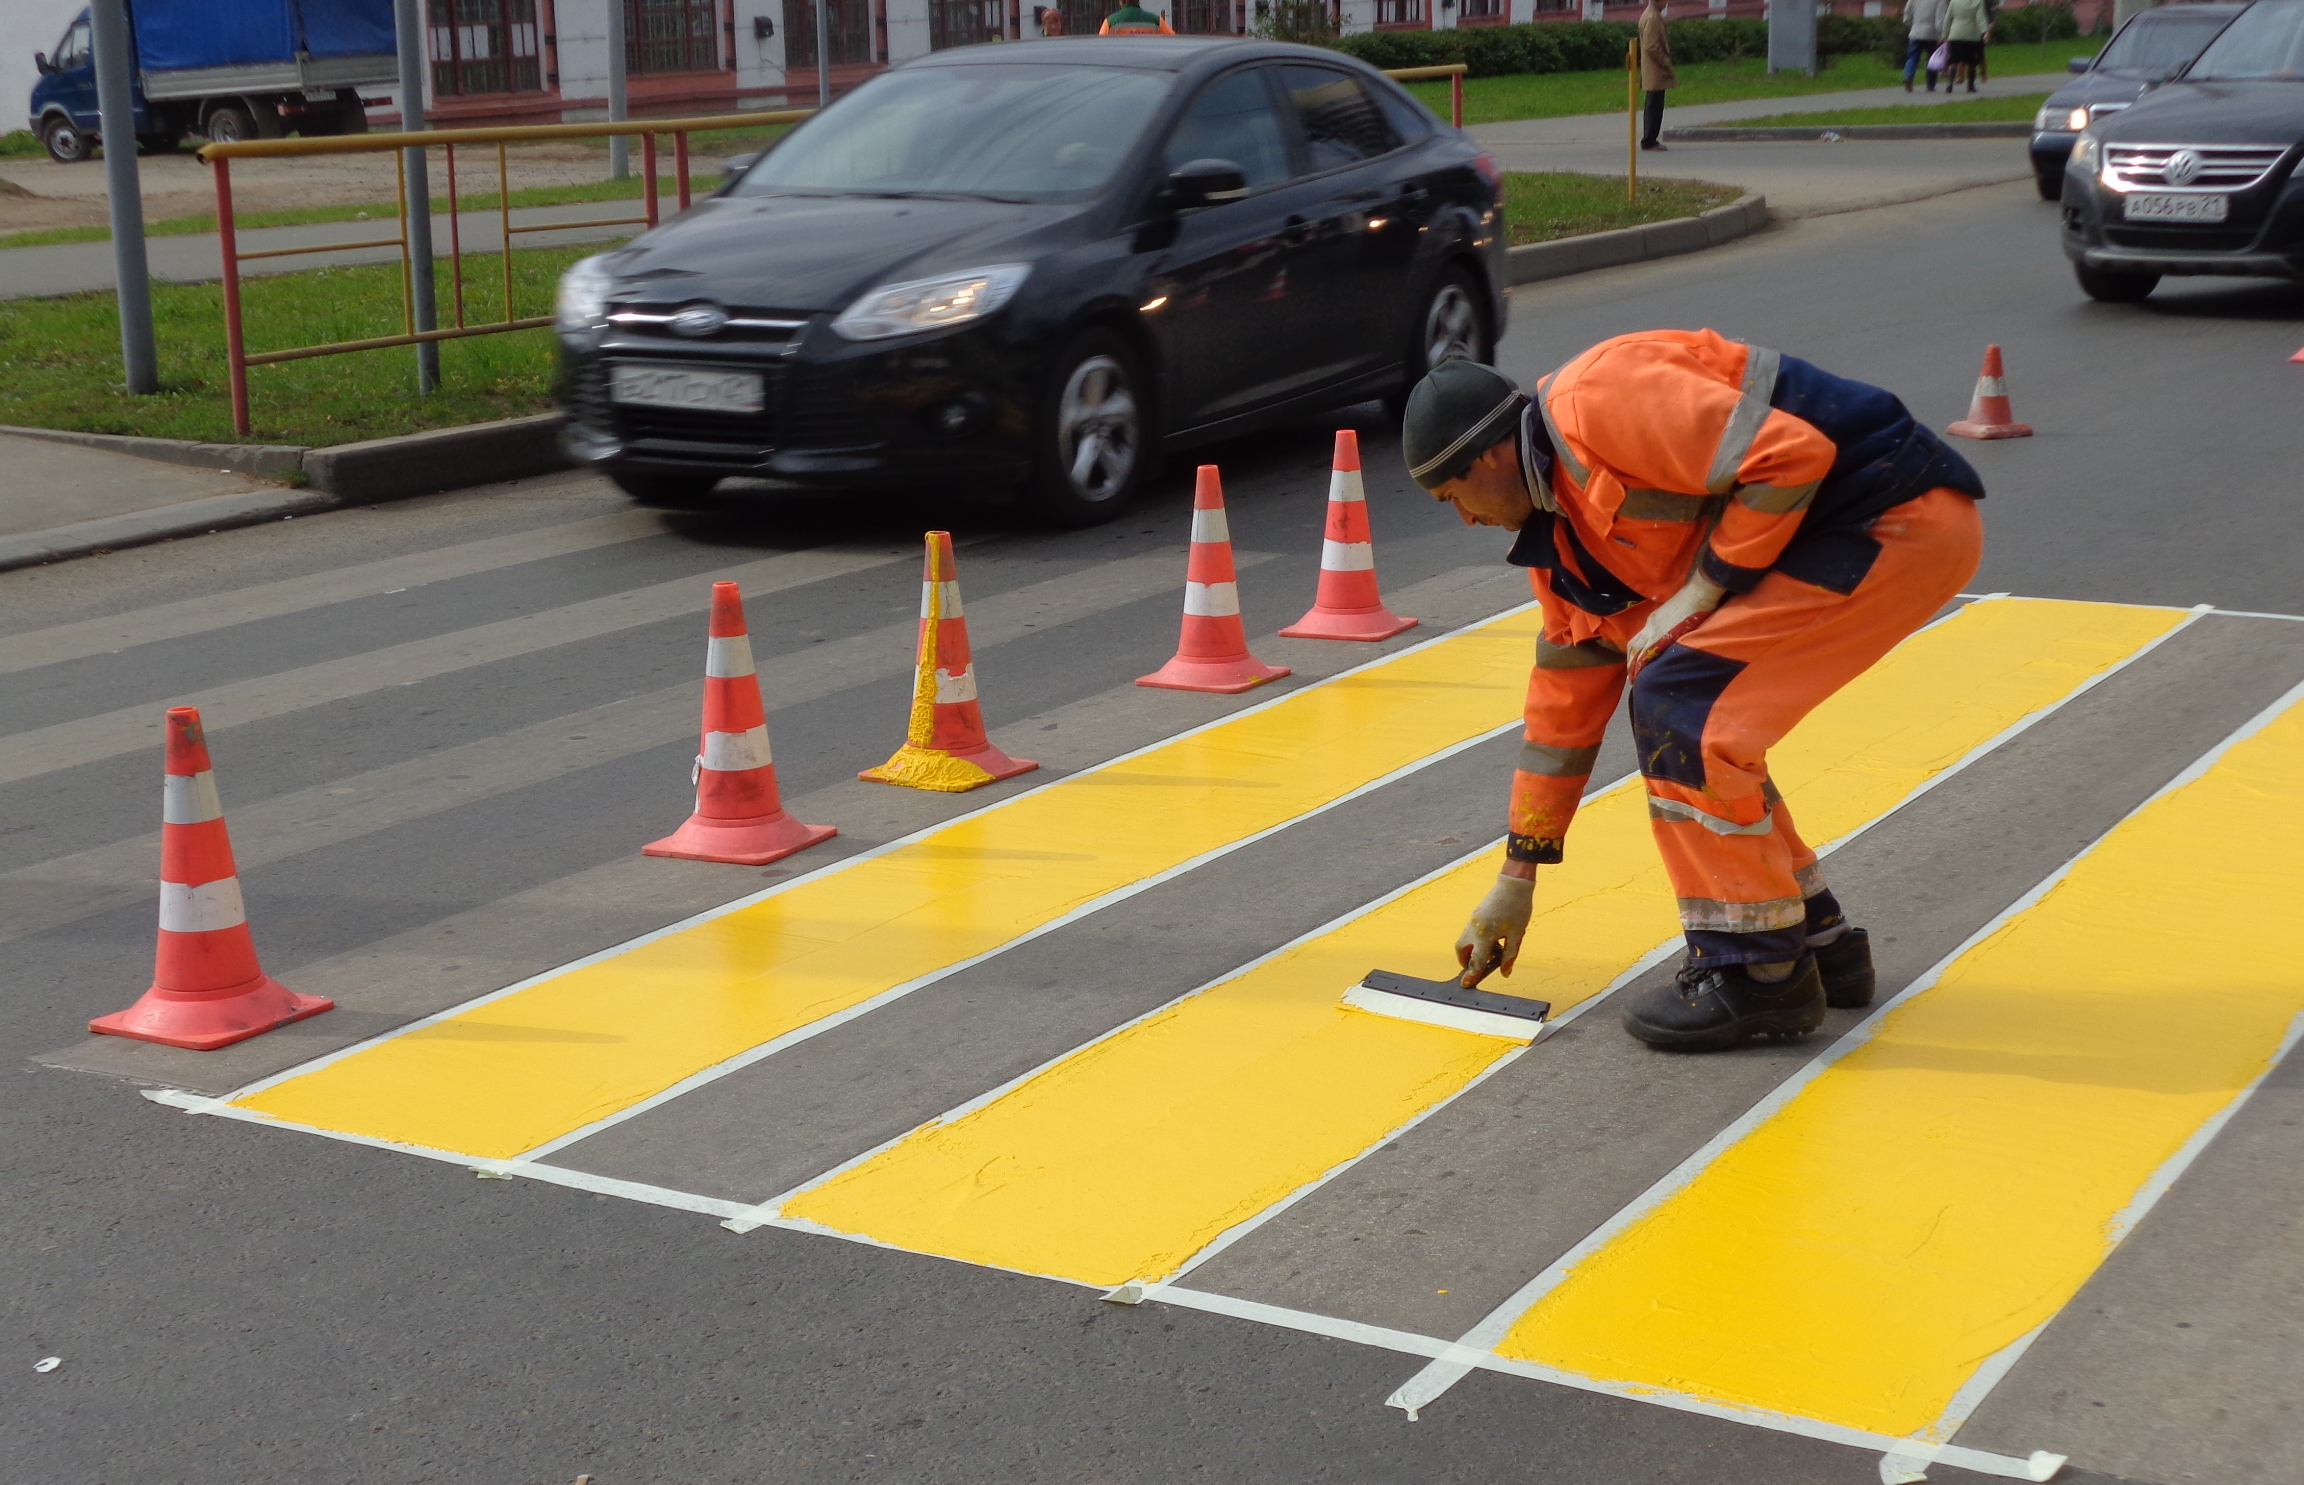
(1134, 20)
(1736, 534)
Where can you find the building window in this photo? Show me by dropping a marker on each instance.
(1559, 7)
(1399, 12)
(1479, 10)
(671, 36)
(963, 22)
(483, 46)
(851, 23)
(1204, 18)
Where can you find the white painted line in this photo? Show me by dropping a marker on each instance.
(847, 863)
(1420, 1390)
(2238, 613)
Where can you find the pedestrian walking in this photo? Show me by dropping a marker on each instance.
(1965, 22)
(1736, 534)
(1923, 29)
(1656, 74)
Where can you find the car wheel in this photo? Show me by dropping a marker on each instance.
(2110, 287)
(1449, 326)
(665, 491)
(1091, 434)
(65, 142)
(2049, 183)
(229, 123)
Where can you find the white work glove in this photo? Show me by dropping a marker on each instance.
(1674, 617)
(1491, 941)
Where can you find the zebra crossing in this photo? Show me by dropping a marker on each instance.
(1857, 1237)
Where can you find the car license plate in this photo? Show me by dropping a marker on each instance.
(696, 391)
(2160, 206)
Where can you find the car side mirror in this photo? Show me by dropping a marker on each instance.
(40, 60)
(2079, 64)
(1205, 183)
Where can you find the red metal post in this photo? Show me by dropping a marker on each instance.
(1456, 99)
(648, 174)
(235, 347)
(680, 163)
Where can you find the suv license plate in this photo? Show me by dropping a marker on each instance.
(696, 391)
(2155, 206)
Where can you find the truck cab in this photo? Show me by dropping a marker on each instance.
(64, 100)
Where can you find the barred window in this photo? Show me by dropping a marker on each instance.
(1399, 12)
(483, 46)
(671, 36)
(962, 22)
(1478, 10)
(1205, 18)
(851, 25)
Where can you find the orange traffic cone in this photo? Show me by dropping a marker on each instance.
(1213, 652)
(740, 816)
(207, 991)
(1349, 605)
(945, 748)
(1989, 415)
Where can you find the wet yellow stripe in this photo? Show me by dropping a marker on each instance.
(513, 1073)
(1950, 1184)
(1123, 1160)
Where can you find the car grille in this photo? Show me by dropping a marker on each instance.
(2223, 167)
(652, 321)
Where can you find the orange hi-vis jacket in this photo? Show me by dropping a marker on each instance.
(1675, 451)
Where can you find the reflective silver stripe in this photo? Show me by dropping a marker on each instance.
(1673, 809)
(189, 799)
(1550, 656)
(1742, 917)
(727, 656)
(1744, 419)
(1810, 878)
(1776, 500)
(733, 752)
(1557, 763)
(1566, 455)
(1664, 505)
(201, 909)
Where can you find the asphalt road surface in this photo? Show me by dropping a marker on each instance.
(854, 1218)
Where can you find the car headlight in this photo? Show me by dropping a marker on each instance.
(583, 296)
(2077, 119)
(931, 303)
(2087, 152)
(2045, 120)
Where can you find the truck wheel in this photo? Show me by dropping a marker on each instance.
(229, 123)
(2109, 287)
(66, 143)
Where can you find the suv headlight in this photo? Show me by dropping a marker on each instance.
(2059, 119)
(583, 296)
(2045, 120)
(931, 303)
(2087, 154)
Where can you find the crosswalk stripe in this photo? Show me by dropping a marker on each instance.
(531, 1066)
(1954, 1173)
(213, 611)
(1126, 1158)
(128, 729)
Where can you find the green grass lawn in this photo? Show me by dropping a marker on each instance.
(20, 142)
(1543, 206)
(60, 358)
(1966, 111)
(1549, 95)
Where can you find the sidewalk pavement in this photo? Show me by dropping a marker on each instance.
(1800, 178)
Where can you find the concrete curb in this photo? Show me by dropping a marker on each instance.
(143, 527)
(1730, 133)
(439, 459)
(1538, 261)
(258, 461)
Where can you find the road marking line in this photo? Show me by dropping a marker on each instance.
(2089, 1126)
(1123, 1159)
(755, 975)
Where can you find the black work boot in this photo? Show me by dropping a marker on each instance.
(1710, 1008)
(1846, 965)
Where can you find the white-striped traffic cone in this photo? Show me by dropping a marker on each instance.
(207, 991)
(1212, 654)
(1989, 414)
(1349, 605)
(945, 748)
(739, 816)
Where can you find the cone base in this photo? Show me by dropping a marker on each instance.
(1368, 624)
(1967, 429)
(202, 1022)
(947, 773)
(1222, 677)
(753, 842)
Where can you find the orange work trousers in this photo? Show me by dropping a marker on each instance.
(1706, 712)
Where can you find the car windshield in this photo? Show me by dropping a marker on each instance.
(2266, 41)
(1007, 132)
(2157, 44)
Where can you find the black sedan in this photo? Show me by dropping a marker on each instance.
(2198, 177)
(1035, 265)
(2153, 47)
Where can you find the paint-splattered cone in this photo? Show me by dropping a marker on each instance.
(207, 991)
(739, 817)
(1213, 652)
(1348, 605)
(945, 748)
(1989, 415)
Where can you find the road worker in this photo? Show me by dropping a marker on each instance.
(1737, 534)
(1134, 20)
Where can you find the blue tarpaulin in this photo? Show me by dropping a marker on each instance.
(175, 34)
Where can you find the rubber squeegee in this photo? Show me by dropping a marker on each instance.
(1448, 1003)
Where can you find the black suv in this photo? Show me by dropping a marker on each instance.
(1032, 264)
(2153, 47)
(2197, 176)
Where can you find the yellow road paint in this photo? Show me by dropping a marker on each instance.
(1126, 1158)
(1951, 1182)
(512, 1073)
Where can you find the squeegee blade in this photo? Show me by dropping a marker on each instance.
(1520, 1029)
